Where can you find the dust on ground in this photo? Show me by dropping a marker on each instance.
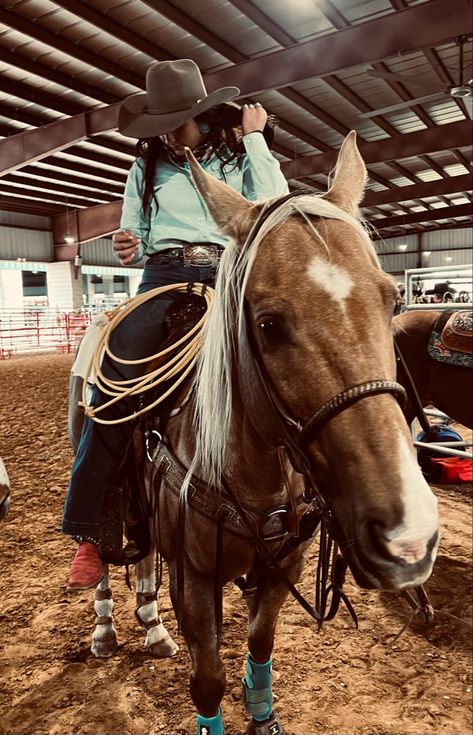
(341, 681)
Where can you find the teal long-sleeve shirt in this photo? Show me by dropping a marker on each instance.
(178, 213)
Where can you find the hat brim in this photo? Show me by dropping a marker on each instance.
(135, 121)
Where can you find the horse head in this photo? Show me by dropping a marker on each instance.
(300, 283)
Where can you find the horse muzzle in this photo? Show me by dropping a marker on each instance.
(392, 565)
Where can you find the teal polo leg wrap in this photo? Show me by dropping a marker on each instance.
(257, 689)
(210, 725)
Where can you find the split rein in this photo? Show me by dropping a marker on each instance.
(279, 430)
(175, 362)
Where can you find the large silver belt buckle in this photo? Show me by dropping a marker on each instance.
(200, 256)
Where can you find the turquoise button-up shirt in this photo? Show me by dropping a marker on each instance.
(178, 214)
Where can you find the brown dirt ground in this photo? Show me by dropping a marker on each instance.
(341, 681)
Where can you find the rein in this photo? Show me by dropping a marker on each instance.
(278, 429)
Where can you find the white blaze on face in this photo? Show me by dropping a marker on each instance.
(409, 540)
(333, 279)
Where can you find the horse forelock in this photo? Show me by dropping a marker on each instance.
(225, 322)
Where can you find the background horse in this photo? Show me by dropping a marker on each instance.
(4, 491)
(290, 386)
(446, 386)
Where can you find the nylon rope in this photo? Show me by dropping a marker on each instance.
(177, 367)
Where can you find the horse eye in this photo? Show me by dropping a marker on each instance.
(271, 330)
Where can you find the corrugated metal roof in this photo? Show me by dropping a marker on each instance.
(59, 58)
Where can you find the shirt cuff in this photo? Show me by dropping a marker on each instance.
(255, 142)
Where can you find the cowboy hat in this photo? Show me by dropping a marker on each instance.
(175, 93)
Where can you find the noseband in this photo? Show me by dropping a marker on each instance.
(343, 400)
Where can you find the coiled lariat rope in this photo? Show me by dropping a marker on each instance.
(178, 366)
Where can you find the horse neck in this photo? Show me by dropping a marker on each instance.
(252, 468)
(258, 475)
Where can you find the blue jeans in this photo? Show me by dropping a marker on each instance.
(102, 447)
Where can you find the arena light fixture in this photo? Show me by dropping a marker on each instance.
(402, 247)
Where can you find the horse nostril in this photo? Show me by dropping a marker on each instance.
(409, 550)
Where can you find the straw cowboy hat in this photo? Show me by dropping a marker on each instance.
(175, 93)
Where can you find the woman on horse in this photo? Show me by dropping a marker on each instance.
(164, 219)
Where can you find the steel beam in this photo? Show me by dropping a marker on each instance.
(84, 225)
(103, 219)
(422, 26)
(460, 210)
(452, 185)
(431, 140)
(32, 145)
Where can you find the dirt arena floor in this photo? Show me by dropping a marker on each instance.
(340, 681)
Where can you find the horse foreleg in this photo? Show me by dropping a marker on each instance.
(104, 637)
(199, 628)
(158, 641)
(263, 608)
(4, 491)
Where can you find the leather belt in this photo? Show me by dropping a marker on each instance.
(199, 255)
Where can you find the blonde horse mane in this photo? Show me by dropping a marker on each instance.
(215, 367)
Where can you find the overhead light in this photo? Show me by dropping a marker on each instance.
(402, 247)
(463, 90)
(448, 258)
(69, 239)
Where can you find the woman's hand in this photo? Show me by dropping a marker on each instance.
(253, 118)
(125, 245)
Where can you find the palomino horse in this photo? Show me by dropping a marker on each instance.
(4, 491)
(448, 387)
(295, 381)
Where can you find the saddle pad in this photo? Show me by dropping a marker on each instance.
(89, 344)
(451, 340)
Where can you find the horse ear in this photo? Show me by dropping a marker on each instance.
(349, 178)
(233, 213)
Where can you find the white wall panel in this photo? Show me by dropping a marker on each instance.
(33, 245)
(442, 258)
(25, 220)
(398, 262)
(461, 238)
(98, 252)
(391, 244)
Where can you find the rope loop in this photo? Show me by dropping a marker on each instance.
(181, 357)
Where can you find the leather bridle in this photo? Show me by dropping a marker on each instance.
(272, 422)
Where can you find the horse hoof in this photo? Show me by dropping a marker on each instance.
(105, 648)
(268, 727)
(164, 646)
